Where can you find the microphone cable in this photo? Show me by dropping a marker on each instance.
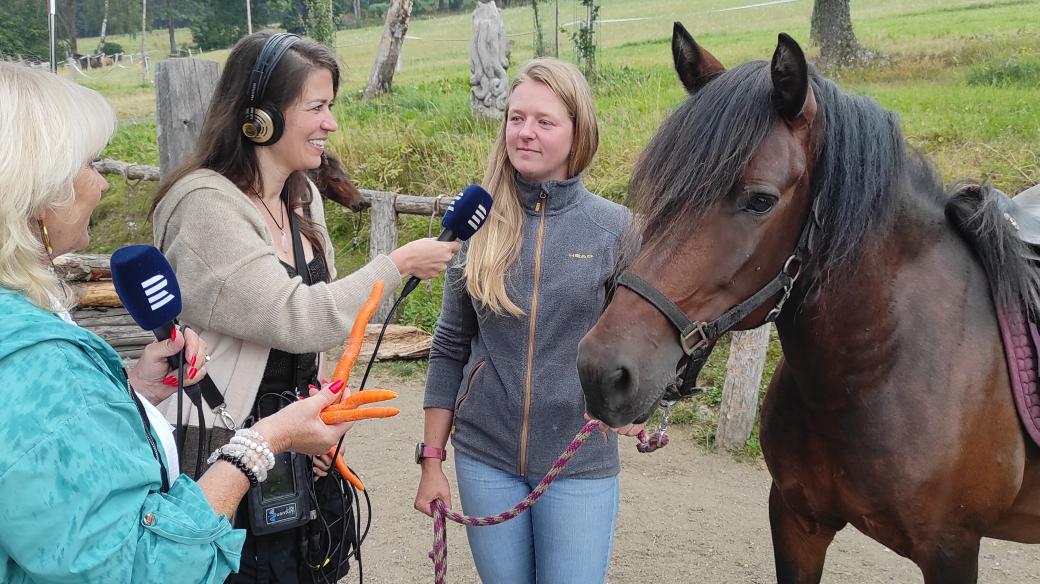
(362, 534)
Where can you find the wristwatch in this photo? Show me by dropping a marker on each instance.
(422, 451)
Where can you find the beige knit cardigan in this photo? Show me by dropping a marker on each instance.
(237, 294)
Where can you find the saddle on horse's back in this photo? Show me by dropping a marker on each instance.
(1018, 323)
(1023, 212)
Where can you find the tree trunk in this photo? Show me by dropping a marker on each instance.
(169, 27)
(144, 35)
(831, 30)
(104, 29)
(539, 37)
(396, 27)
(357, 13)
(747, 359)
(68, 20)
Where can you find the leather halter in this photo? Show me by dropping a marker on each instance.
(697, 338)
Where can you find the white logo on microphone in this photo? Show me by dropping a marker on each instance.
(155, 290)
(478, 217)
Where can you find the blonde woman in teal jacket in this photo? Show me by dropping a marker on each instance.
(89, 490)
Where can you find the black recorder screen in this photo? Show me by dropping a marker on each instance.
(279, 481)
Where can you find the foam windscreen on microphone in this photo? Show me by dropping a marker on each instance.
(467, 212)
(146, 285)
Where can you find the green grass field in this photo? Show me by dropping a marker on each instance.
(964, 75)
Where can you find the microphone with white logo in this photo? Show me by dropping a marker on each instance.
(148, 289)
(465, 215)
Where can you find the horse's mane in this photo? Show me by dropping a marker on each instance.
(975, 211)
(698, 153)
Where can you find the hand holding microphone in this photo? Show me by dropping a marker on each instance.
(424, 258)
(148, 289)
(465, 215)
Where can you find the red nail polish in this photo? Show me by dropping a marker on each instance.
(173, 335)
(170, 381)
(193, 360)
(192, 372)
(336, 386)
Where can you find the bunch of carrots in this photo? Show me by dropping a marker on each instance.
(349, 410)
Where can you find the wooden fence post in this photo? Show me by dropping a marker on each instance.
(183, 88)
(382, 237)
(747, 359)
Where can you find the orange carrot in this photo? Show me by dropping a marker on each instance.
(357, 336)
(367, 396)
(344, 471)
(338, 416)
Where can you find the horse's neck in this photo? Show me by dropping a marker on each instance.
(850, 334)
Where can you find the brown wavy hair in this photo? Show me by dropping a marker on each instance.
(224, 149)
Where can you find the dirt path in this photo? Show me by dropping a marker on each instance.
(686, 516)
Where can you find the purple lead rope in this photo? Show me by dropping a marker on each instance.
(439, 553)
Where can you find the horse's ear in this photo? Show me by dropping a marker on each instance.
(695, 66)
(792, 95)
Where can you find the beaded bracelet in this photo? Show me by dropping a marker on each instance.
(249, 457)
(248, 451)
(260, 448)
(253, 481)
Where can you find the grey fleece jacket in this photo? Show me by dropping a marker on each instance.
(513, 382)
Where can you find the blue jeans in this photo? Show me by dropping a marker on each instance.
(565, 538)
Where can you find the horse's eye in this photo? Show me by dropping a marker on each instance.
(760, 203)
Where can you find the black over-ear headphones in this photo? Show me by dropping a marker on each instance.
(262, 122)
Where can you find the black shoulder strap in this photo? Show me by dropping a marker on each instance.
(305, 272)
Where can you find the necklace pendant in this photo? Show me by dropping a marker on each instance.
(285, 243)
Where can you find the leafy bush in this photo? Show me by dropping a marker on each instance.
(1015, 72)
(217, 25)
(377, 11)
(110, 48)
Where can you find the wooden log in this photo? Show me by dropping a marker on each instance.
(117, 328)
(183, 87)
(383, 240)
(96, 294)
(127, 169)
(399, 342)
(747, 359)
(75, 267)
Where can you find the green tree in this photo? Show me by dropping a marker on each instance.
(320, 26)
(216, 25)
(24, 32)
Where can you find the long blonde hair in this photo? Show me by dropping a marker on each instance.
(50, 128)
(494, 248)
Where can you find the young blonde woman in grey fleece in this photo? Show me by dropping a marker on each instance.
(503, 381)
(222, 219)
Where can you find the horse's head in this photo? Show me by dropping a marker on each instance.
(722, 193)
(334, 184)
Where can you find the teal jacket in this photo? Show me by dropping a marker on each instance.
(80, 496)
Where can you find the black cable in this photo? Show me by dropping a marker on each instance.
(379, 341)
(355, 500)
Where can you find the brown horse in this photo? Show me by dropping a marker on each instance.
(771, 194)
(334, 184)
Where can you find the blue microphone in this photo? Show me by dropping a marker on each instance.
(147, 287)
(465, 215)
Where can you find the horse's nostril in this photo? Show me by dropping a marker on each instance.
(620, 379)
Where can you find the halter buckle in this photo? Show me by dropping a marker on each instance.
(699, 328)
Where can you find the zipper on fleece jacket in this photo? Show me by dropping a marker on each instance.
(540, 207)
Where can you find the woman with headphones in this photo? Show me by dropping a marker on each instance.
(245, 231)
